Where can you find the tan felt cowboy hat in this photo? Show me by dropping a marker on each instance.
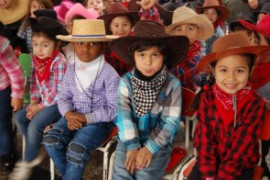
(223, 11)
(87, 30)
(151, 31)
(118, 9)
(16, 11)
(228, 45)
(185, 15)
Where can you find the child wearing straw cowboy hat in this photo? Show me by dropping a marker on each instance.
(230, 114)
(197, 28)
(87, 100)
(149, 101)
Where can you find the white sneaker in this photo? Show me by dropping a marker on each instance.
(23, 170)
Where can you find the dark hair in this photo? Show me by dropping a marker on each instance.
(144, 45)
(267, 40)
(40, 33)
(211, 79)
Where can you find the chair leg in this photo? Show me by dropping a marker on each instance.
(52, 171)
(23, 147)
(187, 131)
(110, 171)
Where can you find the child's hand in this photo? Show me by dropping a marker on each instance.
(146, 4)
(16, 103)
(144, 158)
(73, 120)
(33, 110)
(131, 160)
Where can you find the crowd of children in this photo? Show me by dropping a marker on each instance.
(99, 64)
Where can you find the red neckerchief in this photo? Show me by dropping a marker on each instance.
(224, 102)
(194, 49)
(260, 75)
(218, 23)
(42, 66)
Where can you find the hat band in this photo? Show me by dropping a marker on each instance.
(92, 36)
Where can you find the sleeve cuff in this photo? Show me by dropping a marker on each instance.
(89, 118)
(152, 146)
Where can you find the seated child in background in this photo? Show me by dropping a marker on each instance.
(87, 101)
(11, 97)
(119, 21)
(230, 114)
(149, 101)
(47, 71)
(197, 28)
(217, 14)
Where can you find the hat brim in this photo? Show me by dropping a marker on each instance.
(177, 46)
(107, 18)
(224, 12)
(203, 65)
(255, 28)
(71, 38)
(18, 9)
(199, 20)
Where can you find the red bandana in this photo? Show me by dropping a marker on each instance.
(42, 66)
(218, 23)
(261, 75)
(194, 49)
(224, 102)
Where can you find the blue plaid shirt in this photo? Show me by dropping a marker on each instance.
(159, 126)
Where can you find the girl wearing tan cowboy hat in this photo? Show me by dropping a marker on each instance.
(119, 21)
(87, 101)
(217, 14)
(261, 80)
(149, 101)
(197, 28)
(230, 114)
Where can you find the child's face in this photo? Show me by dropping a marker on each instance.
(149, 62)
(98, 5)
(35, 5)
(87, 51)
(120, 26)
(211, 14)
(42, 46)
(191, 31)
(232, 73)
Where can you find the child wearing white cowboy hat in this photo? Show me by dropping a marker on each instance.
(149, 101)
(197, 28)
(87, 101)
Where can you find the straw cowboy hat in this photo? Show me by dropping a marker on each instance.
(16, 11)
(115, 10)
(164, 14)
(223, 11)
(185, 15)
(228, 45)
(263, 27)
(151, 31)
(87, 30)
(79, 9)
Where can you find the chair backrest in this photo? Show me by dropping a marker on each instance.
(187, 98)
(178, 154)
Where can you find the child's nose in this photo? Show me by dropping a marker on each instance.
(231, 76)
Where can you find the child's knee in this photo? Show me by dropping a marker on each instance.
(77, 154)
(52, 137)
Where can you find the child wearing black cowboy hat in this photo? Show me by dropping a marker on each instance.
(149, 101)
(48, 66)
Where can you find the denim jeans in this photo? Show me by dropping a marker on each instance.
(70, 150)
(6, 133)
(155, 171)
(33, 129)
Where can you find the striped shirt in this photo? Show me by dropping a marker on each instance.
(11, 72)
(98, 102)
(47, 91)
(159, 126)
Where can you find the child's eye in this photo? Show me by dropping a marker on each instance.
(156, 55)
(141, 55)
(239, 70)
(223, 70)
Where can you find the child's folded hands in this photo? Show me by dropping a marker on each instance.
(75, 120)
(144, 158)
(131, 160)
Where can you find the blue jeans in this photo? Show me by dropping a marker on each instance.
(156, 170)
(6, 133)
(70, 150)
(33, 129)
